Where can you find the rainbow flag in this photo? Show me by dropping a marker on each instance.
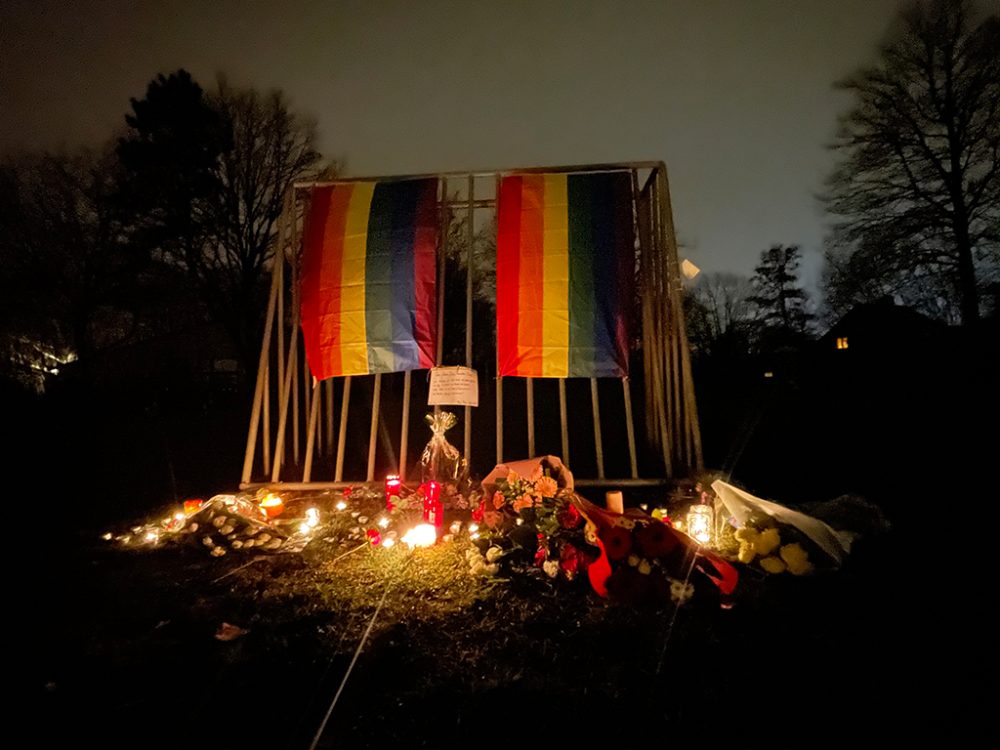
(565, 254)
(369, 277)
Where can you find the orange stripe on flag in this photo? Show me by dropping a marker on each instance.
(531, 271)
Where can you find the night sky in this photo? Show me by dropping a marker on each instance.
(736, 97)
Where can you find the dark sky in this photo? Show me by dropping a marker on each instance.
(735, 95)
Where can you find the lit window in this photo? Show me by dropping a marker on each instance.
(842, 342)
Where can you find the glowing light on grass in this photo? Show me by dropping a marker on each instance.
(151, 536)
(312, 517)
(473, 528)
(474, 535)
(106, 536)
(304, 527)
(383, 522)
(273, 505)
(341, 505)
(388, 543)
(421, 535)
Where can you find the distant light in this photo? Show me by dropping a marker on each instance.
(106, 536)
(768, 374)
(179, 516)
(341, 505)
(383, 521)
(422, 535)
(689, 269)
(842, 342)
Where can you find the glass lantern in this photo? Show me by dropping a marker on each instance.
(701, 523)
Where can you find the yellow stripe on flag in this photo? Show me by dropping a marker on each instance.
(555, 275)
(354, 337)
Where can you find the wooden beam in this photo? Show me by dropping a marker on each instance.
(255, 410)
(345, 407)
(373, 433)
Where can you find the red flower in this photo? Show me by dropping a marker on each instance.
(477, 514)
(541, 555)
(569, 560)
(569, 517)
(617, 542)
(374, 537)
(656, 539)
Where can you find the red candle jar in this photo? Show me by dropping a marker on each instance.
(433, 509)
(392, 489)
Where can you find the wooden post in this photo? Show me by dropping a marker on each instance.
(529, 386)
(376, 393)
(470, 238)
(259, 389)
(627, 395)
(267, 415)
(563, 418)
(499, 420)
(598, 446)
(345, 406)
(329, 416)
(311, 438)
(279, 448)
(294, 368)
(279, 258)
(318, 396)
(404, 428)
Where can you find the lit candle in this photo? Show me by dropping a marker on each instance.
(613, 502)
(433, 509)
(393, 486)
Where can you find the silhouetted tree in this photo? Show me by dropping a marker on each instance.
(721, 316)
(206, 174)
(917, 190)
(779, 298)
(65, 265)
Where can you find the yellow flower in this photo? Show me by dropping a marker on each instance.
(747, 534)
(797, 559)
(767, 542)
(772, 564)
(746, 554)
(546, 487)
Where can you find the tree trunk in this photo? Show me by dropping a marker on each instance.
(966, 272)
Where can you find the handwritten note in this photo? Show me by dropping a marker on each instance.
(453, 386)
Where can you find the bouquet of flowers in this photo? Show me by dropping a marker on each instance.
(535, 513)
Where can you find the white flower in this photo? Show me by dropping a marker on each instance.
(471, 554)
(551, 568)
(478, 566)
(491, 570)
(493, 554)
(680, 591)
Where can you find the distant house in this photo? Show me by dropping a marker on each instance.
(880, 329)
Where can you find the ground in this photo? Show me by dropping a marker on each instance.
(133, 661)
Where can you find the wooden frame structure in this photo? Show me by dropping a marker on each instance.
(282, 448)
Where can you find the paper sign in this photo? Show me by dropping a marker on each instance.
(453, 386)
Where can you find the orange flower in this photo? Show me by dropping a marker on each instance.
(498, 500)
(537, 473)
(525, 501)
(546, 487)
